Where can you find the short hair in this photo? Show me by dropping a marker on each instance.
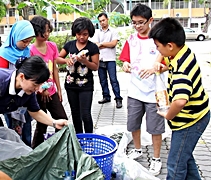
(168, 30)
(141, 10)
(81, 24)
(102, 14)
(34, 68)
(39, 23)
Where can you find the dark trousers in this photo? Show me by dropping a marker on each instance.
(102, 73)
(56, 110)
(26, 131)
(80, 104)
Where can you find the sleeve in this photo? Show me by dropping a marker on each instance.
(94, 49)
(125, 54)
(115, 35)
(67, 46)
(95, 38)
(181, 86)
(4, 63)
(55, 49)
(32, 104)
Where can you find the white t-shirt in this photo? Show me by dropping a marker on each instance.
(141, 52)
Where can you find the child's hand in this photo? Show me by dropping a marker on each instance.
(82, 59)
(46, 96)
(145, 73)
(126, 67)
(69, 61)
(162, 113)
(158, 66)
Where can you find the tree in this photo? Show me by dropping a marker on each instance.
(2, 9)
(206, 3)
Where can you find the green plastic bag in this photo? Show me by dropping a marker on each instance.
(52, 158)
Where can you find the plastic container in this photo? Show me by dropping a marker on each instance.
(161, 94)
(101, 148)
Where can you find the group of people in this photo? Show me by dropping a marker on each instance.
(79, 82)
(32, 84)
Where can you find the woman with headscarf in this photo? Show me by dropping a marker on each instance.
(16, 46)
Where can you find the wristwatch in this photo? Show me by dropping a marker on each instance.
(54, 124)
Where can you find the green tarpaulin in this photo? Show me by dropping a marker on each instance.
(52, 158)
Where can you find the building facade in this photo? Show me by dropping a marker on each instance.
(189, 13)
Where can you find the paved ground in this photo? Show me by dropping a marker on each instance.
(107, 114)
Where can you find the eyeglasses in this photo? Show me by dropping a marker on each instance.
(138, 24)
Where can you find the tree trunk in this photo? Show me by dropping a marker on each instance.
(208, 21)
(25, 12)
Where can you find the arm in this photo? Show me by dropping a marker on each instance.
(159, 64)
(91, 65)
(56, 79)
(42, 117)
(110, 44)
(62, 60)
(174, 109)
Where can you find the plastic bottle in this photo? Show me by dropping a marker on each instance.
(67, 175)
(73, 175)
(161, 94)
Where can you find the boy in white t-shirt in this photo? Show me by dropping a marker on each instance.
(139, 55)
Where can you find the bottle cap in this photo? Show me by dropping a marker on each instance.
(66, 174)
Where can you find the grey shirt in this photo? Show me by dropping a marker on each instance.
(106, 54)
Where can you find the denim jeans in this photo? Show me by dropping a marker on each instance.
(80, 104)
(181, 163)
(26, 131)
(102, 73)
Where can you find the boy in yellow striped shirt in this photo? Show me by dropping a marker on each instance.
(189, 112)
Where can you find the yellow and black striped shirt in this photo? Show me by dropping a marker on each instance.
(185, 82)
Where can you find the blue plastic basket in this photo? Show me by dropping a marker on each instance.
(101, 148)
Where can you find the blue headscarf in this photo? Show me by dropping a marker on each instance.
(20, 30)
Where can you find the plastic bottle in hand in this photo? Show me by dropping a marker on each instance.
(161, 94)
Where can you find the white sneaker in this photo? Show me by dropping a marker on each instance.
(155, 167)
(134, 154)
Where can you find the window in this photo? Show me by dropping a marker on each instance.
(194, 25)
(12, 12)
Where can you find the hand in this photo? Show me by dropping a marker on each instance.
(70, 61)
(60, 123)
(162, 113)
(145, 73)
(60, 96)
(82, 59)
(158, 66)
(45, 96)
(126, 67)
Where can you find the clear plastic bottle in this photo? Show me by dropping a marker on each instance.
(161, 94)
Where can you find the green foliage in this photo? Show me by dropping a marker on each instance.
(117, 19)
(60, 42)
(2, 9)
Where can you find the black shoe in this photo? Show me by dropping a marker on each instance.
(104, 100)
(118, 103)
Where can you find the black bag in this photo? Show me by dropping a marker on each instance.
(103, 64)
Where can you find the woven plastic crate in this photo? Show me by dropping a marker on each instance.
(101, 148)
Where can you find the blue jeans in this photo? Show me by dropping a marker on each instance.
(181, 163)
(26, 131)
(80, 104)
(102, 72)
